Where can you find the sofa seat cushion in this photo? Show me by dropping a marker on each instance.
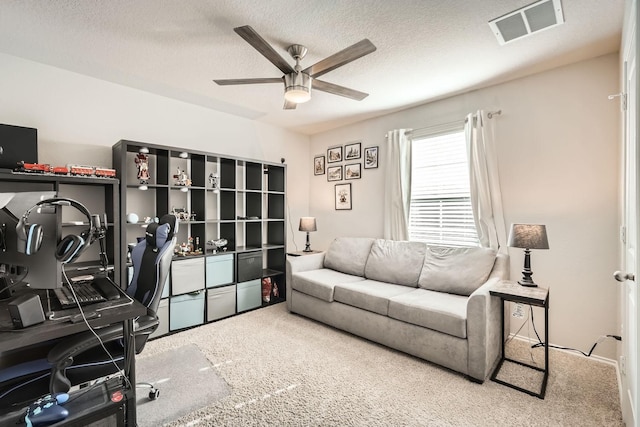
(446, 313)
(456, 270)
(395, 261)
(368, 295)
(320, 283)
(348, 254)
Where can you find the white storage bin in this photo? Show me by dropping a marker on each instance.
(163, 318)
(221, 302)
(219, 270)
(187, 275)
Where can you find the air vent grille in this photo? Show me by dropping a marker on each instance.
(530, 19)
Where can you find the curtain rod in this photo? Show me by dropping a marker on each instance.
(490, 115)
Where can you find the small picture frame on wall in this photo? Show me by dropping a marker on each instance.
(318, 165)
(371, 157)
(334, 173)
(352, 171)
(343, 197)
(334, 154)
(352, 151)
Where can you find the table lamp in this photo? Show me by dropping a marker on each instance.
(307, 223)
(528, 236)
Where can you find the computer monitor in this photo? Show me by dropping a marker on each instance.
(40, 270)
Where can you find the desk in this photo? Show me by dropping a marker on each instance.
(510, 291)
(111, 312)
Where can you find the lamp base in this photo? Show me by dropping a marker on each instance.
(307, 246)
(529, 283)
(526, 272)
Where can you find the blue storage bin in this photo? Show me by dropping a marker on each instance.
(219, 270)
(186, 310)
(249, 295)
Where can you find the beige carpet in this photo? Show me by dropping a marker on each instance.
(286, 370)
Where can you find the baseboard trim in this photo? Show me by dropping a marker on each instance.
(573, 353)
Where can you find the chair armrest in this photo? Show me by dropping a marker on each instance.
(484, 331)
(296, 264)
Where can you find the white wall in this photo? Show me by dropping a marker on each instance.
(79, 118)
(558, 148)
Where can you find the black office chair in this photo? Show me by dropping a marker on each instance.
(80, 358)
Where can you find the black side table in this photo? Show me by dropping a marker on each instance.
(511, 291)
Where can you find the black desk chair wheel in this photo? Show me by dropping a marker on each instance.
(80, 358)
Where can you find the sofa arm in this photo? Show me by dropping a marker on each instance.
(296, 264)
(484, 332)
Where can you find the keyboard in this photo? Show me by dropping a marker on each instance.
(85, 291)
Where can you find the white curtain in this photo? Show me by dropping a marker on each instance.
(486, 198)
(397, 191)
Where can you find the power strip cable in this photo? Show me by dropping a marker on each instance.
(540, 343)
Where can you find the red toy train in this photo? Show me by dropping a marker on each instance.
(73, 170)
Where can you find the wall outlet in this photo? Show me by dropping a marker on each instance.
(518, 311)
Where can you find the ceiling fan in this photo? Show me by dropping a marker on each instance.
(298, 82)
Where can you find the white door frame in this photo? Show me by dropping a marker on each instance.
(629, 369)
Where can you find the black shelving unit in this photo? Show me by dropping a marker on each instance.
(240, 200)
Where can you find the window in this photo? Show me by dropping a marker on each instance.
(440, 212)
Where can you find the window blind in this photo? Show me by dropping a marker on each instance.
(440, 212)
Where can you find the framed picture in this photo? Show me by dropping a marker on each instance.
(352, 151)
(343, 197)
(334, 154)
(318, 165)
(352, 171)
(334, 173)
(371, 157)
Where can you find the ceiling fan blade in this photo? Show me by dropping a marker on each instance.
(226, 82)
(353, 52)
(288, 105)
(338, 90)
(261, 45)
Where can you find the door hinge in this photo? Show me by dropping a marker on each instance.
(623, 100)
(623, 234)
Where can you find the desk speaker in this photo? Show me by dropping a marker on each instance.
(26, 310)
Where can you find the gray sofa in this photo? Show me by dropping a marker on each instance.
(433, 303)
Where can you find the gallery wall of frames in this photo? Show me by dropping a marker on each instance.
(343, 163)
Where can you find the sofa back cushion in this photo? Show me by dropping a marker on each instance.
(456, 270)
(395, 261)
(348, 254)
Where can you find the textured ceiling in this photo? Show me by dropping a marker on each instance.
(426, 49)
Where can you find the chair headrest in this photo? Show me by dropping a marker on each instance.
(157, 234)
(172, 221)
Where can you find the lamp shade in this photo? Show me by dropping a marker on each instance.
(307, 223)
(528, 236)
(297, 87)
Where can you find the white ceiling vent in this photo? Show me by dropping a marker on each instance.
(538, 16)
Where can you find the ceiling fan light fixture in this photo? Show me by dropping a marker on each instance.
(297, 87)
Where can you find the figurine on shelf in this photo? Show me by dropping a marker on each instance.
(220, 245)
(266, 289)
(142, 163)
(182, 179)
(213, 181)
(181, 214)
